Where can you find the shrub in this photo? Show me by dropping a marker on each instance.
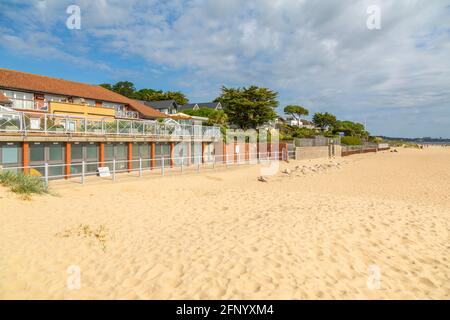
(7, 178)
(23, 183)
(303, 132)
(351, 141)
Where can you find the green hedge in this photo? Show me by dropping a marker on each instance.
(351, 141)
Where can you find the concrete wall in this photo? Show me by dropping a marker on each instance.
(337, 151)
(305, 153)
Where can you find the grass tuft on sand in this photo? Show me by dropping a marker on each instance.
(23, 184)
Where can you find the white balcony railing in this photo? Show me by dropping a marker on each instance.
(29, 104)
(27, 122)
(127, 114)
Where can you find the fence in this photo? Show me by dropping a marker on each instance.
(22, 122)
(383, 146)
(246, 148)
(159, 166)
(366, 148)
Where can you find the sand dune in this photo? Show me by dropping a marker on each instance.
(224, 235)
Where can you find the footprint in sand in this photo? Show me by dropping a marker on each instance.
(427, 282)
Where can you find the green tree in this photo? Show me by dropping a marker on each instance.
(350, 128)
(106, 86)
(249, 107)
(296, 112)
(149, 95)
(178, 96)
(158, 95)
(218, 117)
(202, 112)
(325, 120)
(125, 88)
(351, 141)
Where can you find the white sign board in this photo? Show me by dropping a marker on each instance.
(103, 172)
(237, 149)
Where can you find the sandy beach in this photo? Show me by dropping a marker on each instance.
(224, 235)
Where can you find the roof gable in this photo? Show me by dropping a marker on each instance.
(210, 105)
(163, 104)
(207, 105)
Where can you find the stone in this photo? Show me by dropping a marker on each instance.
(262, 179)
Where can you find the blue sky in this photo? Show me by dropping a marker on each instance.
(319, 54)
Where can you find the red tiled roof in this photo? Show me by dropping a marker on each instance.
(35, 83)
(4, 99)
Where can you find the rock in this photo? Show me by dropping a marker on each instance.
(262, 179)
(287, 171)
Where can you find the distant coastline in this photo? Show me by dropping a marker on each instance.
(425, 140)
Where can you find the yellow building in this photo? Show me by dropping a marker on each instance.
(80, 110)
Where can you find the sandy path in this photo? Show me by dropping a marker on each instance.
(223, 234)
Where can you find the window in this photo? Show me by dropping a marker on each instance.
(77, 152)
(118, 151)
(121, 152)
(112, 105)
(87, 152)
(20, 100)
(49, 97)
(136, 151)
(162, 150)
(90, 102)
(55, 152)
(35, 123)
(109, 151)
(92, 151)
(196, 152)
(144, 153)
(37, 152)
(10, 154)
(51, 153)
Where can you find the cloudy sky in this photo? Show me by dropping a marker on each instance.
(319, 54)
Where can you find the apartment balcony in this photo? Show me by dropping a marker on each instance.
(127, 114)
(24, 104)
(46, 124)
